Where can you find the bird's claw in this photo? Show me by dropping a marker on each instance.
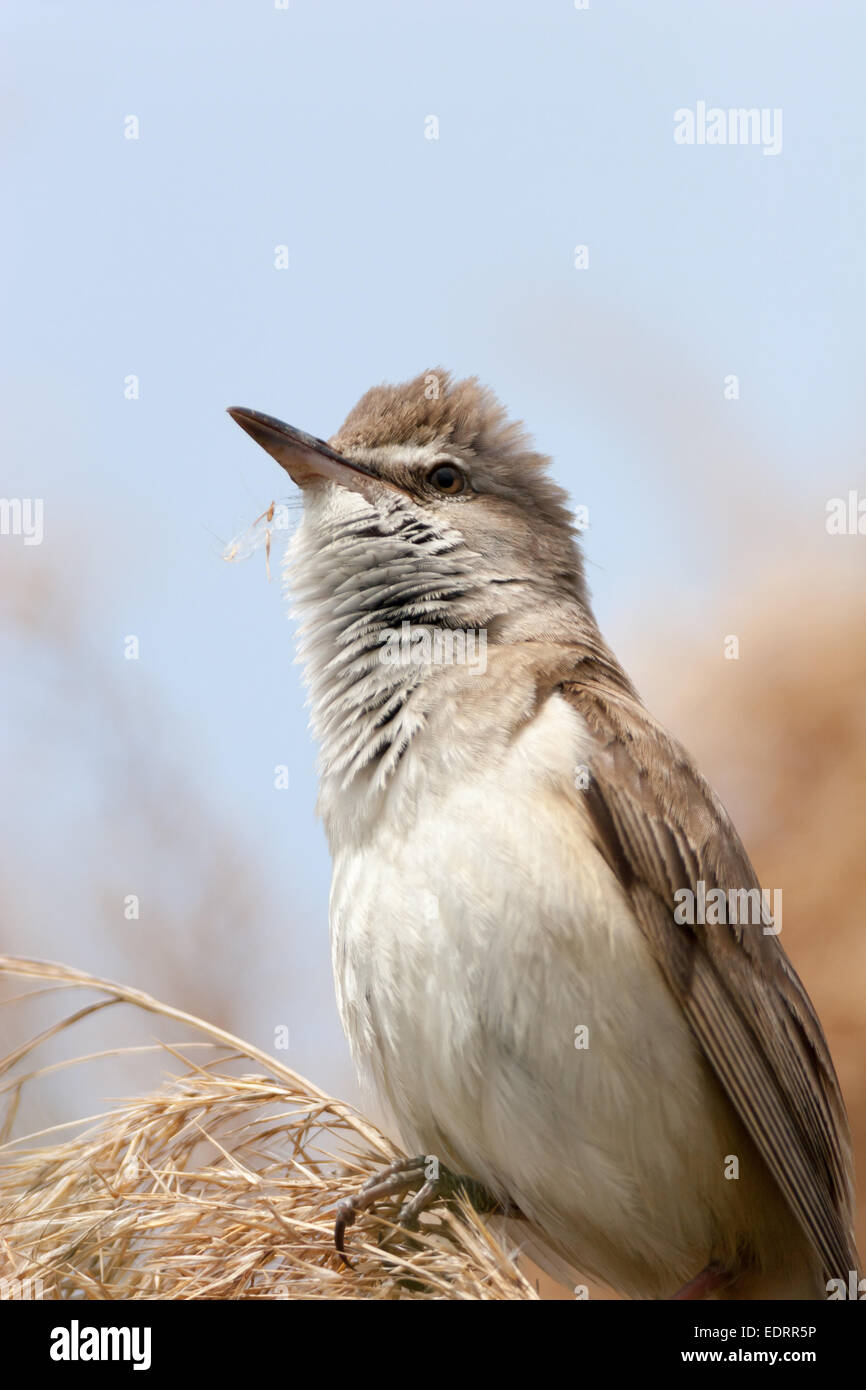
(397, 1177)
(432, 1181)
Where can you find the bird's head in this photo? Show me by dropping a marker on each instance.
(431, 532)
(429, 506)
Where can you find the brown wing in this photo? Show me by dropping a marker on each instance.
(661, 828)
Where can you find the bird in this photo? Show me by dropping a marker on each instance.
(651, 1096)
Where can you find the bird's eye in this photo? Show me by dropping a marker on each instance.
(445, 477)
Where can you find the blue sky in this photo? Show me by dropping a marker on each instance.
(306, 127)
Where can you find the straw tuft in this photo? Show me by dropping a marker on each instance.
(216, 1185)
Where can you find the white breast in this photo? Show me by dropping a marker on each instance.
(469, 950)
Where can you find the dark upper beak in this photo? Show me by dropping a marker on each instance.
(305, 458)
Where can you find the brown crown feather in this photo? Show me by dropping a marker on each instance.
(463, 416)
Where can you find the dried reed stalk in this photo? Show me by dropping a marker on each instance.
(215, 1186)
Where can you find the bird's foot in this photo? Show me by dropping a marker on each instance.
(709, 1281)
(431, 1182)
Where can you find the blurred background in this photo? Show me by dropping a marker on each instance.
(279, 205)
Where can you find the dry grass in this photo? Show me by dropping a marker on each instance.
(218, 1185)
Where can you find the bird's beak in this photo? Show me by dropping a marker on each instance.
(305, 458)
